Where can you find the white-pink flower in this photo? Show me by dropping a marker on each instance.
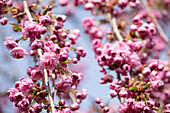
(18, 52)
(49, 60)
(10, 43)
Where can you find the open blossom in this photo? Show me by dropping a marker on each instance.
(26, 85)
(65, 110)
(49, 46)
(36, 74)
(18, 97)
(45, 20)
(37, 44)
(31, 29)
(63, 85)
(139, 105)
(121, 47)
(123, 108)
(49, 60)
(4, 21)
(123, 93)
(37, 108)
(156, 84)
(23, 105)
(10, 43)
(130, 102)
(18, 52)
(11, 94)
(88, 23)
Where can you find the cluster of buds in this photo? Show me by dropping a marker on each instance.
(24, 94)
(138, 79)
(50, 47)
(4, 8)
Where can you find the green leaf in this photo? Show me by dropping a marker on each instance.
(16, 27)
(65, 62)
(45, 11)
(71, 48)
(133, 88)
(33, 91)
(24, 38)
(7, 9)
(147, 86)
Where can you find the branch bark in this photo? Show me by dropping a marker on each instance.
(48, 90)
(113, 23)
(26, 9)
(47, 85)
(53, 88)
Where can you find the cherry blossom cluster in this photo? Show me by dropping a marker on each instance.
(16, 52)
(22, 96)
(128, 54)
(4, 8)
(50, 47)
(145, 30)
(139, 79)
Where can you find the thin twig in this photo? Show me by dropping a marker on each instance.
(113, 23)
(48, 90)
(47, 85)
(153, 18)
(20, 14)
(26, 9)
(53, 88)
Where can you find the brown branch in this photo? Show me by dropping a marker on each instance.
(26, 9)
(153, 18)
(48, 90)
(113, 23)
(53, 88)
(47, 85)
(20, 14)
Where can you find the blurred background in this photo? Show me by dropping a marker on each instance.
(12, 70)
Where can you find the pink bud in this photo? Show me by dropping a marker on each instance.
(98, 100)
(63, 2)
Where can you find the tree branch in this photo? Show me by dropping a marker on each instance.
(53, 88)
(113, 23)
(48, 90)
(26, 9)
(47, 85)
(153, 18)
